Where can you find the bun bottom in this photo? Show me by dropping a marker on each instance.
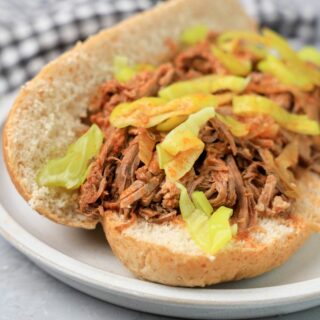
(165, 253)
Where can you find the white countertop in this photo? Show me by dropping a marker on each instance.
(28, 293)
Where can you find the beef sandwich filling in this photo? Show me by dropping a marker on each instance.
(228, 122)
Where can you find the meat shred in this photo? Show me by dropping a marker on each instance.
(234, 172)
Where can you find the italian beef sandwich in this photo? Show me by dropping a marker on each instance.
(193, 138)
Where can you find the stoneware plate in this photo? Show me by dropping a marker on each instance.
(83, 260)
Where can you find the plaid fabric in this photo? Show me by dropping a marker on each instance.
(297, 20)
(34, 32)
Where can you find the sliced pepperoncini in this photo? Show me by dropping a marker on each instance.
(251, 37)
(150, 111)
(194, 34)
(210, 232)
(123, 72)
(243, 41)
(253, 104)
(206, 84)
(237, 128)
(201, 202)
(181, 147)
(287, 75)
(310, 54)
(290, 57)
(232, 63)
(71, 170)
(171, 123)
(275, 41)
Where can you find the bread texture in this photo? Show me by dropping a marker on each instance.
(46, 116)
(166, 254)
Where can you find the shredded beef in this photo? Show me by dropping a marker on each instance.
(157, 214)
(235, 172)
(125, 173)
(197, 61)
(136, 191)
(171, 193)
(267, 193)
(215, 181)
(279, 205)
(99, 181)
(242, 211)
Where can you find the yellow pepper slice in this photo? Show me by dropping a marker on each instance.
(183, 162)
(237, 128)
(253, 104)
(210, 232)
(221, 99)
(290, 76)
(150, 111)
(71, 170)
(121, 69)
(257, 51)
(275, 41)
(232, 83)
(310, 54)
(206, 84)
(171, 123)
(229, 46)
(192, 125)
(128, 113)
(295, 64)
(163, 156)
(179, 140)
(233, 64)
(182, 147)
(123, 72)
(224, 98)
(250, 42)
(251, 37)
(183, 88)
(201, 202)
(194, 34)
(186, 205)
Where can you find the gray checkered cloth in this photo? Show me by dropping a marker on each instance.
(34, 32)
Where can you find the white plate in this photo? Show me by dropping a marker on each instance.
(83, 260)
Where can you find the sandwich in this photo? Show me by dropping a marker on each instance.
(190, 136)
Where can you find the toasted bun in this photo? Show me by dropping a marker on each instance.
(166, 254)
(46, 116)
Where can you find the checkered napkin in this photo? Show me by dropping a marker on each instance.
(297, 20)
(33, 32)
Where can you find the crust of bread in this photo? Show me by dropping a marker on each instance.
(61, 92)
(163, 263)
